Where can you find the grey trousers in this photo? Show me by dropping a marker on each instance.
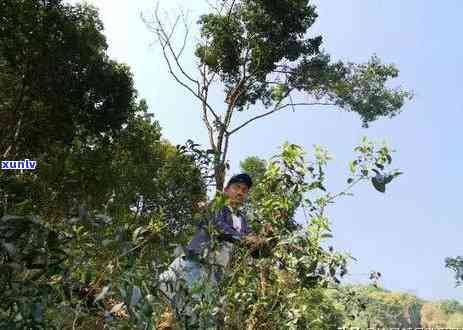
(185, 283)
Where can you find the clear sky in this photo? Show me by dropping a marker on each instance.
(407, 232)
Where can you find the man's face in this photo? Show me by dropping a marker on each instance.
(237, 192)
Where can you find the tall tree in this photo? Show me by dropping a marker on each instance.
(106, 186)
(260, 52)
(56, 80)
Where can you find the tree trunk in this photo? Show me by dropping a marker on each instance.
(219, 177)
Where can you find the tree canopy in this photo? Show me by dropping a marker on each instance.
(56, 79)
(261, 52)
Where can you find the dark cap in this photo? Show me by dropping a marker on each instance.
(240, 178)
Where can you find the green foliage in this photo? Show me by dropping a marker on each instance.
(56, 80)
(372, 307)
(109, 197)
(432, 316)
(455, 320)
(260, 49)
(377, 308)
(84, 238)
(456, 264)
(254, 167)
(110, 246)
(371, 163)
(114, 252)
(451, 306)
(288, 286)
(359, 88)
(260, 53)
(29, 251)
(250, 27)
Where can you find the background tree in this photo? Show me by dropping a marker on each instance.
(255, 167)
(260, 52)
(109, 195)
(456, 264)
(455, 320)
(450, 306)
(383, 308)
(432, 316)
(56, 79)
(96, 220)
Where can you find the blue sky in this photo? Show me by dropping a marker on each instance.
(407, 232)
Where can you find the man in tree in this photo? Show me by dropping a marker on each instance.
(202, 265)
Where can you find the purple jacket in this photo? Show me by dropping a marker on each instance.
(223, 222)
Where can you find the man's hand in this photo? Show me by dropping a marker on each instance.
(268, 230)
(252, 241)
(261, 245)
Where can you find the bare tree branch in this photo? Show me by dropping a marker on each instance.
(292, 102)
(167, 38)
(18, 125)
(233, 98)
(230, 10)
(205, 94)
(283, 71)
(217, 9)
(164, 39)
(187, 31)
(171, 71)
(15, 138)
(275, 110)
(225, 149)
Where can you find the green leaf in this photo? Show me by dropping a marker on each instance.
(396, 174)
(353, 165)
(378, 183)
(388, 179)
